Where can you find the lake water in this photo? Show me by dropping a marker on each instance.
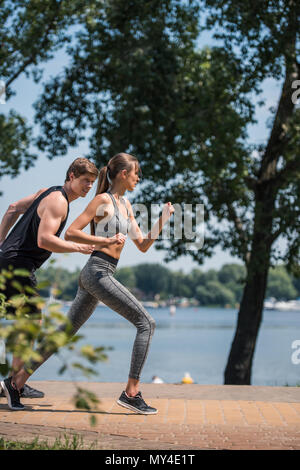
(194, 340)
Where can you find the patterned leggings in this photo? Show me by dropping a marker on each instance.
(96, 283)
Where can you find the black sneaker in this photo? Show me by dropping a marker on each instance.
(136, 403)
(12, 395)
(26, 392)
(29, 392)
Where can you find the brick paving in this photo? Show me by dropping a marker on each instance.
(189, 417)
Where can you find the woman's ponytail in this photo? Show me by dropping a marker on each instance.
(103, 183)
(102, 187)
(107, 174)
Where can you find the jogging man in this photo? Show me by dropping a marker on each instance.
(33, 239)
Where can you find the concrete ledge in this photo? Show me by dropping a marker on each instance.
(184, 391)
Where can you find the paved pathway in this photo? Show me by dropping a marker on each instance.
(190, 417)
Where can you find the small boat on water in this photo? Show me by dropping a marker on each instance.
(149, 304)
(280, 305)
(172, 309)
(157, 380)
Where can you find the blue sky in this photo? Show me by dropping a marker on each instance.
(48, 173)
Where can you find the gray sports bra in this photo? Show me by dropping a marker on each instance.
(117, 223)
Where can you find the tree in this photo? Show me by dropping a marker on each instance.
(151, 278)
(231, 272)
(296, 284)
(213, 293)
(126, 276)
(267, 36)
(139, 83)
(64, 282)
(178, 285)
(31, 31)
(232, 276)
(280, 284)
(195, 279)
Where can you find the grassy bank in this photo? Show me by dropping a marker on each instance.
(65, 442)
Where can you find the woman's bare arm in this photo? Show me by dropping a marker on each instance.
(143, 243)
(75, 231)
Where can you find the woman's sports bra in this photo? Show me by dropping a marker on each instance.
(117, 223)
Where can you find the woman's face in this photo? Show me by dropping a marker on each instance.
(132, 177)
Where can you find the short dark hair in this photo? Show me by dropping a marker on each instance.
(80, 166)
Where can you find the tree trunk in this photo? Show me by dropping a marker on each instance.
(239, 365)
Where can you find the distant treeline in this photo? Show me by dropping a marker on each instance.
(153, 281)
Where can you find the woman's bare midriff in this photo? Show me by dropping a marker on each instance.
(115, 252)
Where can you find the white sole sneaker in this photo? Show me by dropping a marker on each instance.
(132, 408)
(11, 407)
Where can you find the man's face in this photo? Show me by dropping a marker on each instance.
(81, 185)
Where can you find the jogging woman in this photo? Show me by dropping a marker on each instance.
(111, 218)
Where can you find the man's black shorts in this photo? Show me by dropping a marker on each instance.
(30, 308)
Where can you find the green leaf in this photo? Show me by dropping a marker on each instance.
(21, 272)
(62, 369)
(42, 285)
(4, 369)
(17, 285)
(30, 290)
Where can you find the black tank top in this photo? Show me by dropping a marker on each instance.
(21, 244)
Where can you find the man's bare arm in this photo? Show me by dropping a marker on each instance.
(54, 212)
(14, 211)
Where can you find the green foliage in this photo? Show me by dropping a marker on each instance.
(84, 399)
(52, 277)
(223, 287)
(126, 276)
(65, 442)
(214, 293)
(51, 334)
(15, 139)
(178, 285)
(151, 278)
(31, 31)
(280, 284)
(94, 354)
(260, 31)
(231, 273)
(145, 87)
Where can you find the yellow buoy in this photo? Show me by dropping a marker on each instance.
(187, 379)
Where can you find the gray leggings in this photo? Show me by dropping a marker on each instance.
(96, 282)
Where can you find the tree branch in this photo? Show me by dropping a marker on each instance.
(284, 175)
(21, 69)
(32, 58)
